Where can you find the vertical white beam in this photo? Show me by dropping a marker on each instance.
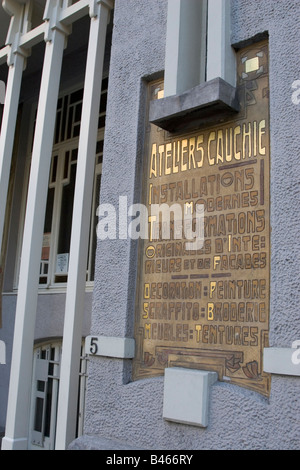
(185, 45)
(172, 48)
(16, 60)
(17, 424)
(221, 60)
(8, 130)
(72, 337)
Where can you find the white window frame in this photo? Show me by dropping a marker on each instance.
(37, 440)
(41, 374)
(60, 150)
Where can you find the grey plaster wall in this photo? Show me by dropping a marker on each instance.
(117, 408)
(280, 20)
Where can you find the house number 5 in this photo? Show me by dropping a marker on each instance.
(94, 345)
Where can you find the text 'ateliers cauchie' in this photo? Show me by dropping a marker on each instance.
(221, 146)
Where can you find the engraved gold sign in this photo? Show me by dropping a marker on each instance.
(208, 308)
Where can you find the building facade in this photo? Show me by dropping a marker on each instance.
(117, 336)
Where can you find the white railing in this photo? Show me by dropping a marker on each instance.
(58, 17)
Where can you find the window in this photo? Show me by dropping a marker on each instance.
(59, 209)
(44, 395)
(59, 213)
(44, 398)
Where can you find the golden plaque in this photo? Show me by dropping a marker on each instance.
(207, 307)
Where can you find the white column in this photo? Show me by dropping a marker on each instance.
(185, 45)
(17, 424)
(16, 60)
(8, 130)
(72, 337)
(221, 61)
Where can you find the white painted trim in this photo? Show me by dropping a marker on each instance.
(221, 61)
(186, 395)
(33, 37)
(282, 361)
(198, 44)
(52, 290)
(3, 54)
(66, 16)
(75, 12)
(185, 45)
(8, 131)
(172, 48)
(17, 423)
(14, 444)
(107, 346)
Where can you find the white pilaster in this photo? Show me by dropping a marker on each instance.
(17, 424)
(16, 60)
(185, 45)
(72, 337)
(221, 60)
(8, 130)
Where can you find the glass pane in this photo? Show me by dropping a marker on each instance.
(70, 122)
(48, 407)
(54, 169)
(103, 102)
(76, 96)
(57, 127)
(50, 368)
(64, 119)
(45, 256)
(93, 228)
(66, 167)
(49, 211)
(38, 418)
(66, 213)
(99, 148)
(52, 354)
(40, 386)
(101, 122)
(78, 110)
(104, 84)
(74, 155)
(76, 130)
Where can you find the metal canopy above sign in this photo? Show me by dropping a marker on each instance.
(208, 308)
